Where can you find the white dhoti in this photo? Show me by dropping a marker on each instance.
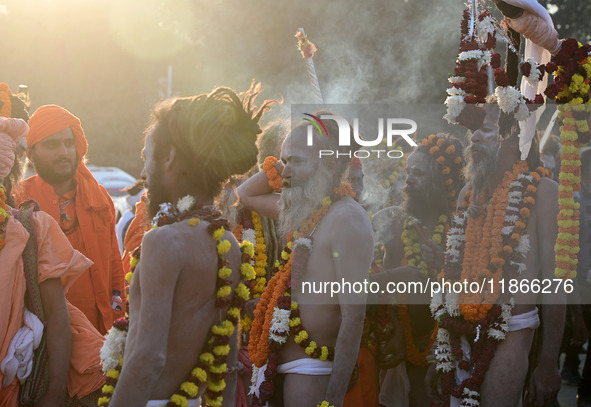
(527, 320)
(307, 366)
(163, 403)
(395, 387)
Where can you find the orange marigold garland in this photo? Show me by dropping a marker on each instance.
(413, 354)
(273, 176)
(463, 257)
(449, 161)
(277, 314)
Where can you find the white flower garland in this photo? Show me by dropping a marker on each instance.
(113, 349)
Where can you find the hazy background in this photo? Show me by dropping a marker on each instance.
(106, 61)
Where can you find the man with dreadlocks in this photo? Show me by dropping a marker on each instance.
(413, 236)
(185, 291)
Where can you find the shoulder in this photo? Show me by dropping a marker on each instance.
(347, 211)
(177, 244)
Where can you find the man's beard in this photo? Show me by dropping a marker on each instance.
(299, 201)
(156, 196)
(478, 170)
(419, 203)
(53, 178)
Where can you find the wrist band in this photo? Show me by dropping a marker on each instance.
(273, 177)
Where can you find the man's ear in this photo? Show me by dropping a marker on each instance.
(170, 158)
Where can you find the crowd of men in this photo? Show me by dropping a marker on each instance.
(208, 306)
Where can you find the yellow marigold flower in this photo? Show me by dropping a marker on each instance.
(113, 374)
(224, 247)
(437, 239)
(311, 347)
(324, 353)
(108, 389)
(217, 402)
(324, 404)
(224, 272)
(242, 291)
(103, 400)
(120, 361)
(199, 374)
(295, 322)
(224, 328)
(326, 201)
(218, 386)
(179, 400)
(193, 221)
(294, 305)
(234, 312)
(301, 336)
(221, 350)
(219, 233)
(190, 388)
(134, 261)
(221, 368)
(207, 358)
(248, 248)
(247, 271)
(224, 291)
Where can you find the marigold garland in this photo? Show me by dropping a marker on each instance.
(273, 176)
(413, 257)
(502, 243)
(260, 257)
(571, 88)
(413, 354)
(449, 162)
(412, 248)
(211, 366)
(276, 313)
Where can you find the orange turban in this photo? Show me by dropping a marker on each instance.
(50, 119)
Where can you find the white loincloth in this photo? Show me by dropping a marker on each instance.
(395, 387)
(526, 320)
(307, 366)
(529, 320)
(163, 403)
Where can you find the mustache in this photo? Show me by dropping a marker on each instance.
(63, 161)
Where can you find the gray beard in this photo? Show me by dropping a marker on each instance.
(299, 201)
(478, 171)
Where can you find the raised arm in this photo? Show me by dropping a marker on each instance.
(256, 194)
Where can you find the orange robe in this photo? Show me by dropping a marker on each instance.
(95, 238)
(365, 391)
(56, 259)
(139, 225)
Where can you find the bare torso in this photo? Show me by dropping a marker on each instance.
(190, 295)
(345, 226)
